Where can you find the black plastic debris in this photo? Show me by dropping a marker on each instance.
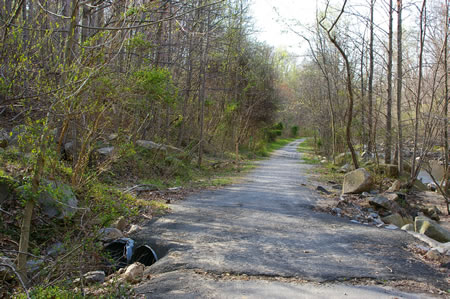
(145, 255)
(322, 189)
(120, 252)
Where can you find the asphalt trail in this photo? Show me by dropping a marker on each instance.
(264, 227)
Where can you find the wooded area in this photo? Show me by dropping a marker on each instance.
(347, 91)
(78, 74)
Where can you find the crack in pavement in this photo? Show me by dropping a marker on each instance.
(264, 226)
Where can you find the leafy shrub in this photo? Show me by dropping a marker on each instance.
(294, 131)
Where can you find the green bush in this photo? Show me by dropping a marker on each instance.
(294, 131)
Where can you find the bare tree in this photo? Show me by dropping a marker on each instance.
(332, 38)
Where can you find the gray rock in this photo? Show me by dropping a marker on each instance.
(95, 277)
(92, 277)
(430, 228)
(357, 181)
(396, 186)
(34, 265)
(120, 224)
(396, 219)
(380, 202)
(134, 228)
(365, 194)
(344, 169)
(57, 199)
(110, 233)
(153, 145)
(55, 249)
(134, 273)
(61, 202)
(105, 150)
(408, 227)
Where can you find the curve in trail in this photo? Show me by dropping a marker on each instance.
(265, 226)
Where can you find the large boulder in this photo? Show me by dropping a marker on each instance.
(381, 202)
(153, 145)
(357, 181)
(430, 228)
(397, 220)
(58, 200)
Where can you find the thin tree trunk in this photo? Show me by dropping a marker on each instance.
(399, 87)
(348, 129)
(370, 83)
(388, 148)
(28, 212)
(422, 26)
(204, 65)
(447, 99)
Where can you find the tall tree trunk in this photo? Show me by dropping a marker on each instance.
(388, 148)
(399, 87)
(447, 99)
(370, 83)
(422, 26)
(28, 211)
(201, 97)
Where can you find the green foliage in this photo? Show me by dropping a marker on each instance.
(273, 132)
(139, 42)
(53, 292)
(294, 131)
(155, 85)
(110, 203)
